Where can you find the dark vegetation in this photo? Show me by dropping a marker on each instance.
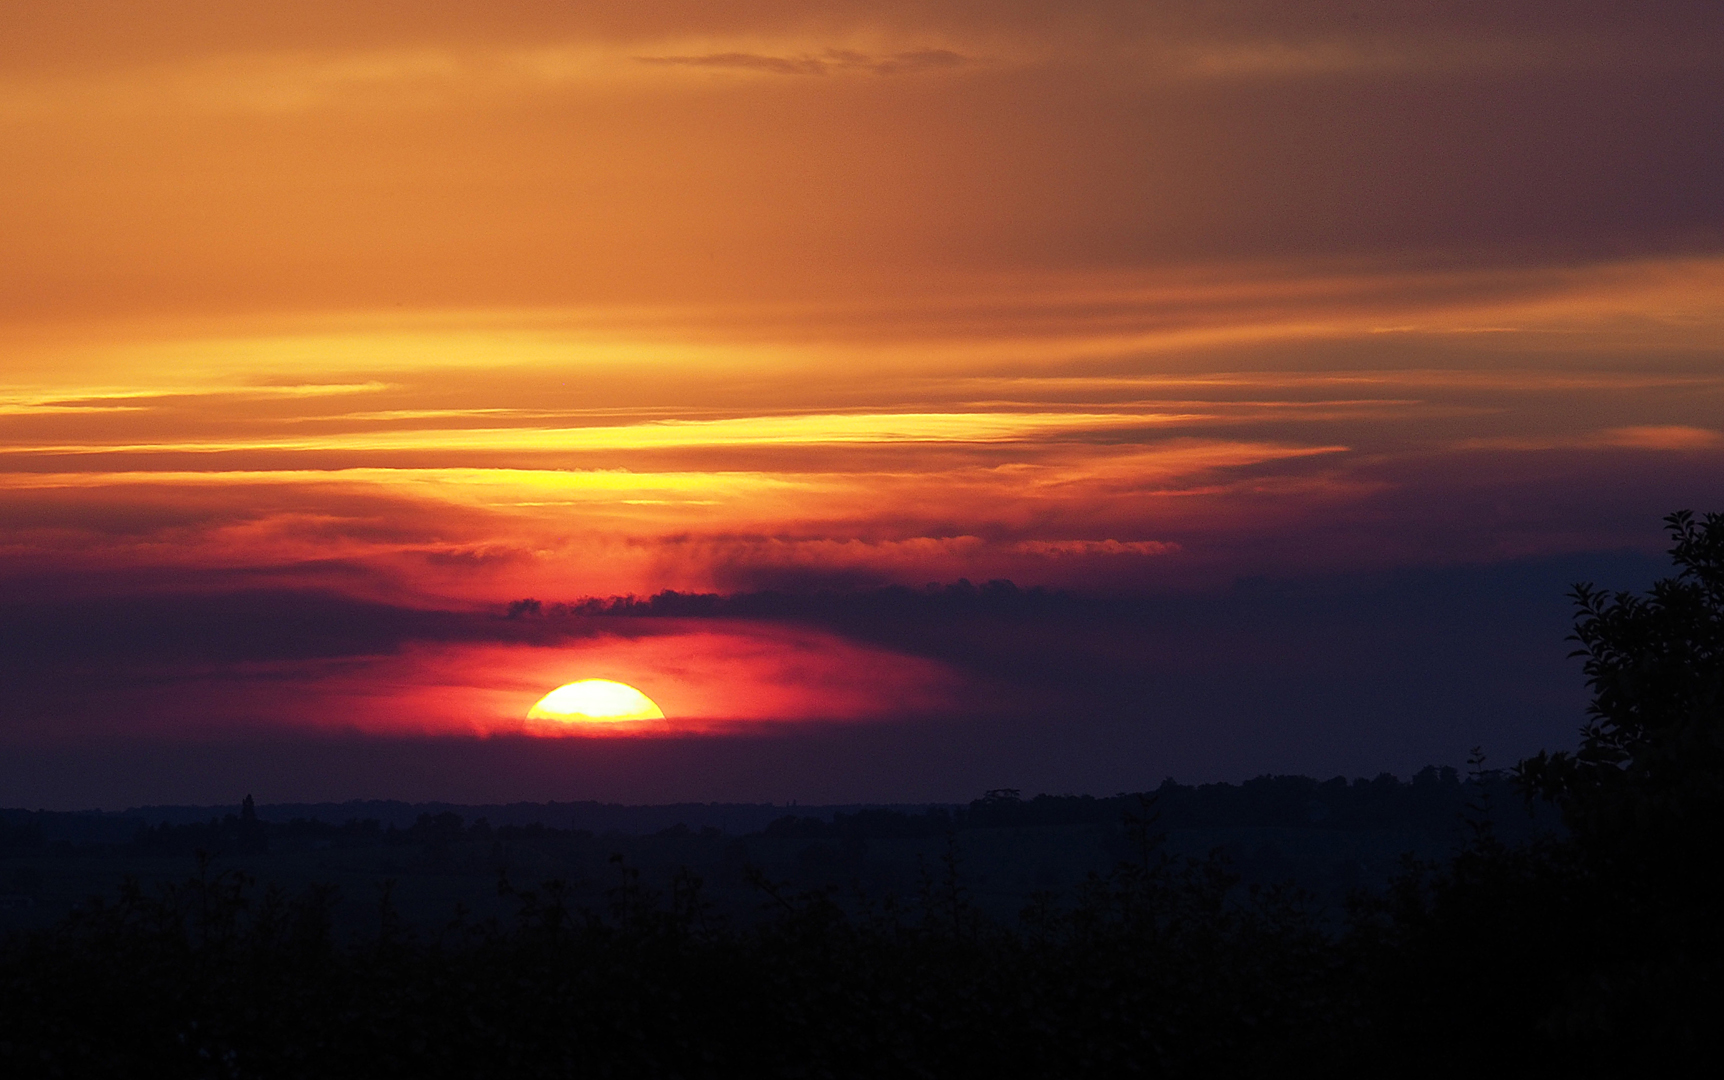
(1593, 948)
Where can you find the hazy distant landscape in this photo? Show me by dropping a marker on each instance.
(1329, 838)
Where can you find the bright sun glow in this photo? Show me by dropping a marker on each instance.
(592, 700)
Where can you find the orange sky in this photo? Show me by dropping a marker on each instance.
(449, 304)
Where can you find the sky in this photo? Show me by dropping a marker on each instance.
(1050, 396)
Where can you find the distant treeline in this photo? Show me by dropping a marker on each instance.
(1434, 802)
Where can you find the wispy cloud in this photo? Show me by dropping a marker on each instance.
(99, 398)
(803, 430)
(1658, 437)
(1056, 549)
(1665, 437)
(824, 63)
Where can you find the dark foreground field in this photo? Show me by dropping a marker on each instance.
(1047, 936)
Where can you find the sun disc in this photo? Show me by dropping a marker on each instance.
(595, 700)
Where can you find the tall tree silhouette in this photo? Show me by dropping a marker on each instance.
(1650, 767)
(1643, 798)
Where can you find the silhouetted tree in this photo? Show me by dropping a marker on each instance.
(1644, 798)
(1651, 757)
(1598, 950)
(253, 837)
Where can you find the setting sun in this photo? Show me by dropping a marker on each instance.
(592, 700)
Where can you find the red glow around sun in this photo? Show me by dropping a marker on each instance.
(703, 678)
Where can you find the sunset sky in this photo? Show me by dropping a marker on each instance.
(1290, 361)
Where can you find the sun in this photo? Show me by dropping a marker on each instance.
(595, 701)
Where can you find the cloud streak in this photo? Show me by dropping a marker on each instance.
(828, 62)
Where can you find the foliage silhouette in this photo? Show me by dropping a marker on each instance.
(1599, 950)
(1651, 759)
